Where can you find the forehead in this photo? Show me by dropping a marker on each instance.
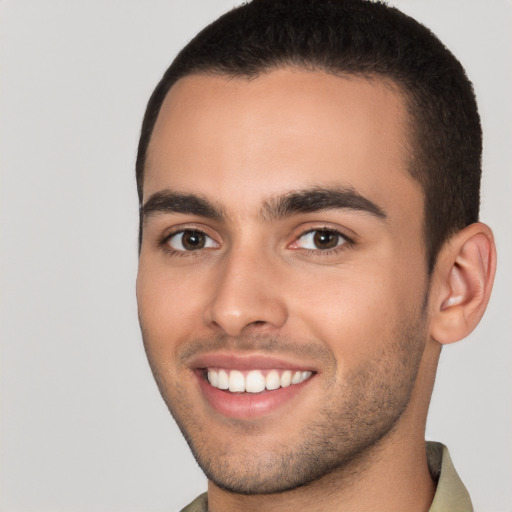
(241, 140)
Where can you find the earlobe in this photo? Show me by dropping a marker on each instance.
(464, 275)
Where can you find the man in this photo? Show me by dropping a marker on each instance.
(308, 174)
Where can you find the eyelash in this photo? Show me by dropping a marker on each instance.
(349, 242)
(164, 243)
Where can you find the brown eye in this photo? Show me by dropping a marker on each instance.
(190, 240)
(320, 239)
(325, 239)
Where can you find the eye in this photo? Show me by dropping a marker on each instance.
(320, 239)
(190, 240)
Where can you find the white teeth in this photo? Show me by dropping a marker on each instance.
(236, 381)
(223, 380)
(272, 380)
(255, 381)
(286, 379)
(305, 375)
(213, 378)
(296, 377)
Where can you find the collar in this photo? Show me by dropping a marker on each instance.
(451, 494)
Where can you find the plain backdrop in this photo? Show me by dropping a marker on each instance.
(82, 426)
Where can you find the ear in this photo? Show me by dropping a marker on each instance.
(462, 283)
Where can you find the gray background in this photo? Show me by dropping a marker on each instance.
(82, 427)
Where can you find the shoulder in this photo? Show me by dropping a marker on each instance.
(200, 504)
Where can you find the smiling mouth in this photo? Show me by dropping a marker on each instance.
(254, 381)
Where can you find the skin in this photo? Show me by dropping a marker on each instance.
(357, 315)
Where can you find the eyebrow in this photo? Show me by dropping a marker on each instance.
(276, 208)
(318, 198)
(167, 201)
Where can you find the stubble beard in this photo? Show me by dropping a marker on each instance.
(344, 436)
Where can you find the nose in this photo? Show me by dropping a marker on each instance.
(247, 296)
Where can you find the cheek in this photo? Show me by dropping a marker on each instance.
(169, 307)
(356, 312)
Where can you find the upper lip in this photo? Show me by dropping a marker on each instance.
(248, 362)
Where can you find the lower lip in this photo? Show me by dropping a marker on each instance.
(248, 405)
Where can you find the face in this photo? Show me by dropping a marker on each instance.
(282, 273)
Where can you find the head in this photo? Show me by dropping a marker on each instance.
(308, 173)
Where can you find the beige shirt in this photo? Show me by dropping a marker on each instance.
(451, 494)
